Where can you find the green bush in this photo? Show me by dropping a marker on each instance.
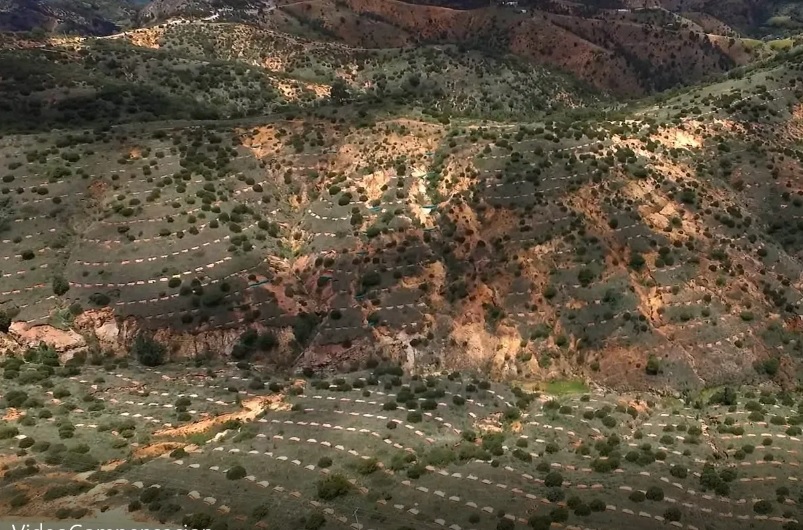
(8, 431)
(314, 521)
(653, 366)
(197, 521)
(16, 398)
(555, 494)
(40, 447)
(60, 285)
(672, 513)
(553, 479)
(18, 500)
(366, 466)
(440, 456)
(236, 473)
(416, 470)
(148, 351)
(768, 366)
(429, 404)
(512, 414)
(762, 507)
(678, 471)
(66, 490)
(61, 393)
(149, 495)
(655, 493)
(540, 522)
(260, 512)
(414, 416)
(609, 422)
(637, 496)
(597, 505)
(333, 486)
(99, 299)
(559, 515)
(79, 462)
(505, 524)
(637, 261)
(585, 276)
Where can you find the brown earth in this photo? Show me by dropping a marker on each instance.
(252, 408)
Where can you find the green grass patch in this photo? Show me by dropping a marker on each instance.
(781, 44)
(565, 386)
(752, 44)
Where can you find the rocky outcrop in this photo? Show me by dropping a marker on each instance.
(101, 331)
(63, 341)
(117, 335)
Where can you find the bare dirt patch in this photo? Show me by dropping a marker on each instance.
(12, 414)
(252, 408)
(157, 449)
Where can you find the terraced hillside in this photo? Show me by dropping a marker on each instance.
(438, 80)
(210, 71)
(630, 55)
(253, 278)
(628, 52)
(652, 248)
(214, 446)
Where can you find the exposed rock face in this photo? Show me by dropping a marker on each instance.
(116, 335)
(62, 341)
(102, 330)
(184, 345)
(103, 325)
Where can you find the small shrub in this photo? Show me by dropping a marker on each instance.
(672, 513)
(148, 351)
(367, 466)
(236, 473)
(762, 507)
(414, 416)
(18, 500)
(553, 479)
(333, 486)
(637, 496)
(655, 493)
(314, 521)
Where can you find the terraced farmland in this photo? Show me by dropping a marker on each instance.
(206, 443)
(252, 278)
(537, 249)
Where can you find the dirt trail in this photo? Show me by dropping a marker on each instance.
(252, 408)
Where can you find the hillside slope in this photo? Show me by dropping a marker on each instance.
(62, 16)
(631, 53)
(749, 16)
(655, 246)
(607, 50)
